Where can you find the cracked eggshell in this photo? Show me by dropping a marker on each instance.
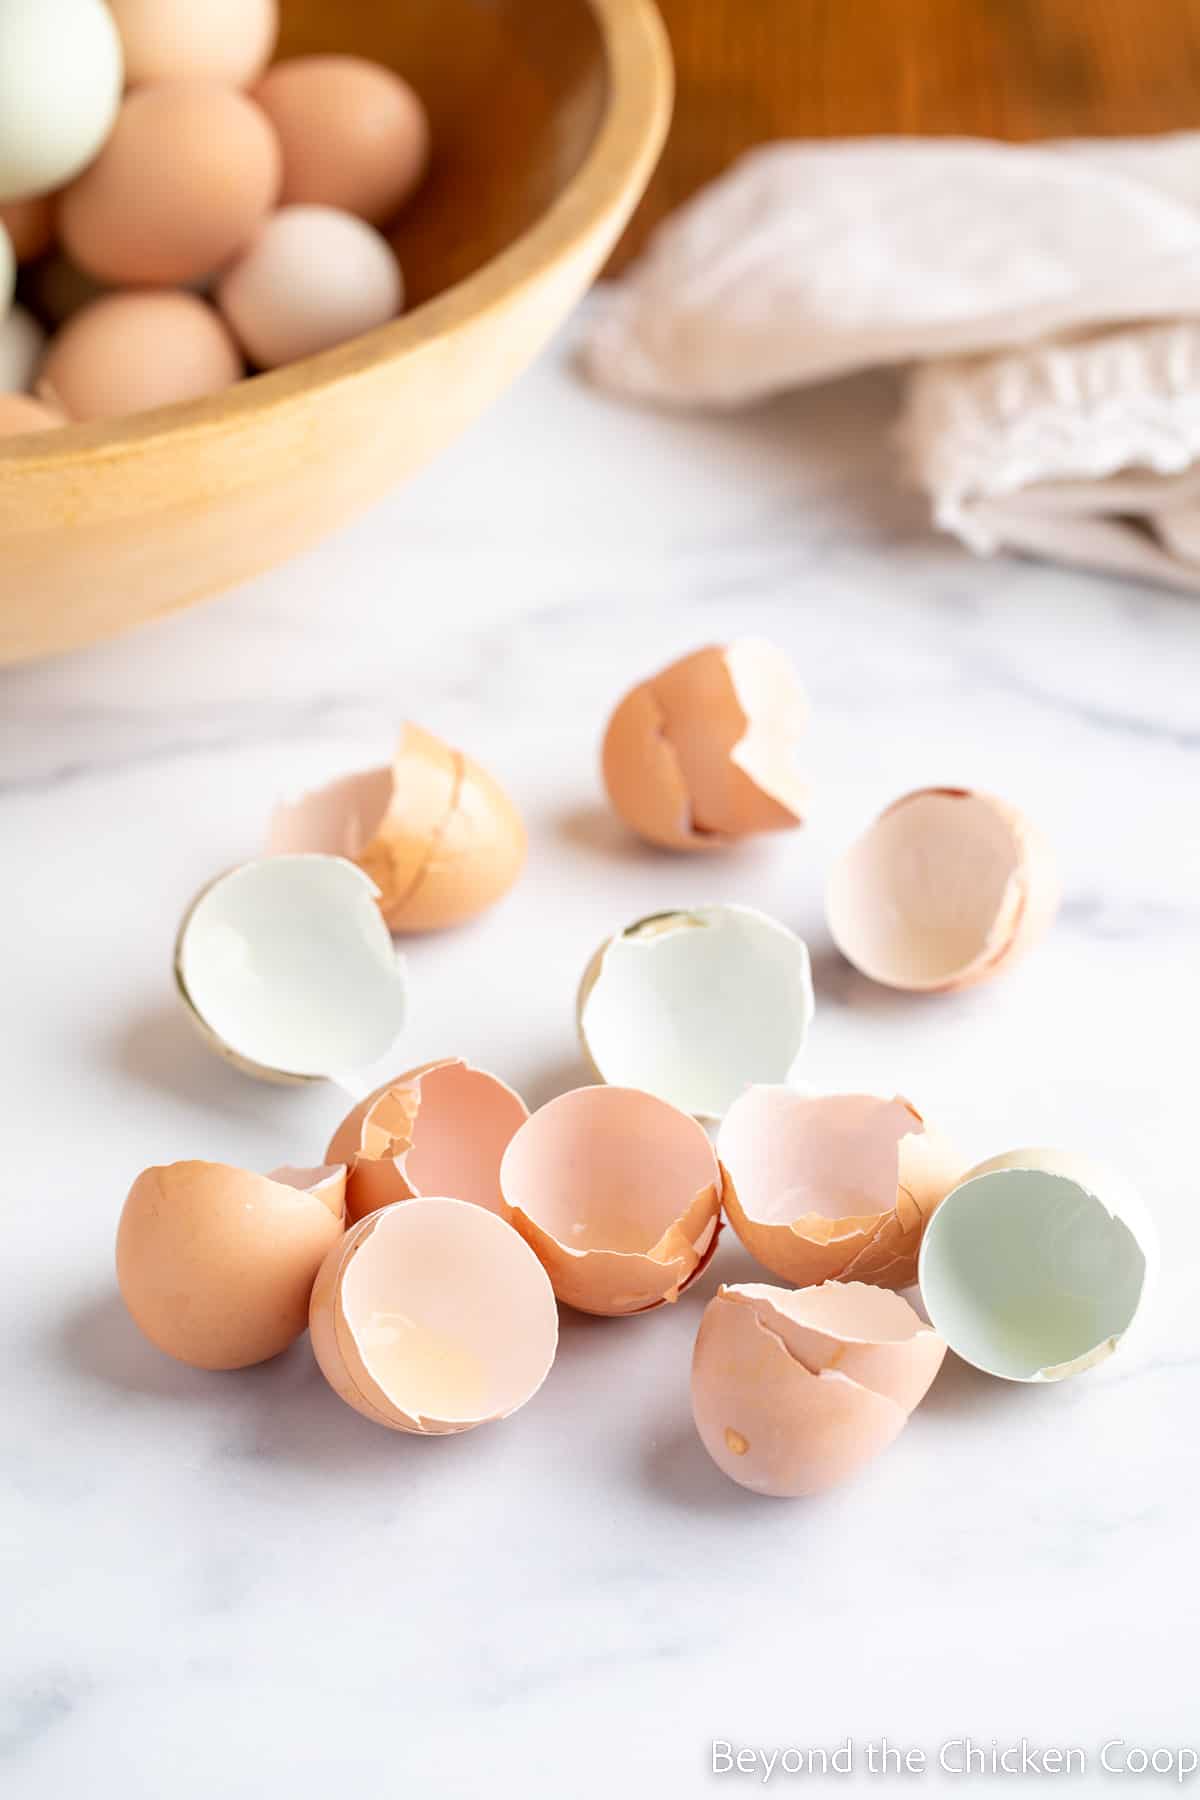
(947, 888)
(832, 1187)
(703, 753)
(794, 1392)
(216, 1264)
(433, 1316)
(1037, 1264)
(618, 1193)
(288, 971)
(435, 832)
(694, 1006)
(438, 1129)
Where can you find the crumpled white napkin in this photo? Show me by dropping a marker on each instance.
(1046, 293)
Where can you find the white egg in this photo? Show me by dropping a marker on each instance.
(61, 73)
(22, 341)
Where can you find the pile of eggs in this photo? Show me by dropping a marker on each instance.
(427, 1251)
(180, 211)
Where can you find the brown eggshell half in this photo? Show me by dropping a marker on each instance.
(216, 1264)
(832, 1187)
(947, 888)
(433, 1316)
(795, 1392)
(702, 753)
(618, 1193)
(436, 833)
(439, 1129)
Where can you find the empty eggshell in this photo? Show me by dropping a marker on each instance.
(126, 353)
(794, 1392)
(1037, 1264)
(20, 413)
(832, 1187)
(945, 889)
(216, 1264)
(439, 1129)
(694, 1006)
(704, 752)
(435, 832)
(22, 341)
(229, 41)
(433, 1317)
(288, 971)
(618, 1193)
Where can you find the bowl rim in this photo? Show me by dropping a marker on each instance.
(630, 135)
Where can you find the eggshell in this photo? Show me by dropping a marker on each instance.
(947, 888)
(230, 41)
(694, 1006)
(60, 85)
(21, 343)
(126, 353)
(187, 177)
(30, 225)
(435, 832)
(312, 278)
(832, 1187)
(704, 752)
(439, 1129)
(354, 134)
(618, 1193)
(1037, 1264)
(21, 413)
(287, 969)
(216, 1264)
(433, 1317)
(795, 1392)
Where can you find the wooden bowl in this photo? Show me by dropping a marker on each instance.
(548, 116)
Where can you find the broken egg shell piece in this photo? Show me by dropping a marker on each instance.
(619, 1195)
(438, 1129)
(1037, 1264)
(793, 1393)
(695, 1006)
(703, 753)
(288, 970)
(947, 888)
(216, 1264)
(437, 834)
(433, 1316)
(832, 1187)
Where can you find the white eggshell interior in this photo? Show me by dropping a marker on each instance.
(289, 963)
(793, 1155)
(695, 1006)
(1029, 1275)
(453, 1314)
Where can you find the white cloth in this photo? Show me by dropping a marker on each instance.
(1046, 294)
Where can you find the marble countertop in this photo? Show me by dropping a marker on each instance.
(233, 1585)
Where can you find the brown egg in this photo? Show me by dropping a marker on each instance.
(433, 1317)
(439, 1129)
(435, 832)
(186, 178)
(947, 888)
(30, 225)
(230, 41)
(20, 413)
(794, 1392)
(618, 1193)
(354, 134)
(703, 753)
(823, 1187)
(216, 1265)
(127, 352)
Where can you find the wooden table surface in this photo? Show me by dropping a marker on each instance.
(749, 70)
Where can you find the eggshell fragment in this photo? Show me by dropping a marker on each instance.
(216, 1264)
(947, 888)
(1037, 1264)
(433, 1317)
(618, 1193)
(126, 353)
(288, 970)
(794, 1392)
(832, 1187)
(694, 1006)
(703, 752)
(20, 413)
(439, 1129)
(435, 832)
